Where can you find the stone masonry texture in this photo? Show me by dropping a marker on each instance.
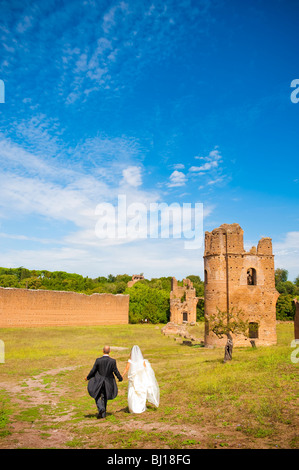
(33, 308)
(235, 278)
(183, 302)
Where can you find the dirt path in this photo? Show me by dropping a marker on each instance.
(25, 434)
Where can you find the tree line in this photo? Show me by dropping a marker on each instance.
(149, 299)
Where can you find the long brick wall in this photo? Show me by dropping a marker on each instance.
(28, 308)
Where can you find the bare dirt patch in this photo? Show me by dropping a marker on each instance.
(31, 392)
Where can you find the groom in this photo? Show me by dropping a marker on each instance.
(102, 385)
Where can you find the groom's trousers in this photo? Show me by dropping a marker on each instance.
(101, 400)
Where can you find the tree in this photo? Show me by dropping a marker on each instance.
(120, 287)
(147, 302)
(281, 275)
(8, 280)
(198, 284)
(285, 308)
(22, 273)
(200, 310)
(227, 323)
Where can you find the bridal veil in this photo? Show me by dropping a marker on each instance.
(143, 385)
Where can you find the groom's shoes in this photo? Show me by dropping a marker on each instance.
(101, 414)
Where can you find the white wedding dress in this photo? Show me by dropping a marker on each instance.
(142, 383)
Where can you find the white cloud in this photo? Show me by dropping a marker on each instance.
(179, 166)
(177, 178)
(132, 176)
(214, 155)
(215, 181)
(212, 161)
(207, 166)
(211, 172)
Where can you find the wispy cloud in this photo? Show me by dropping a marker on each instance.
(108, 52)
(204, 167)
(211, 171)
(178, 166)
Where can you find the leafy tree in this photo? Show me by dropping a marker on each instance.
(120, 287)
(9, 280)
(228, 323)
(281, 275)
(281, 288)
(290, 288)
(147, 302)
(22, 273)
(200, 311)
(285, 308)
(123, 278)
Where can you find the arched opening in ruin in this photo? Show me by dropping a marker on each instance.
(185, 316)
(253, 330)
(206, 276)
(251, 277)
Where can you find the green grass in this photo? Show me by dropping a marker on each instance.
(250, 402)
(4, 414)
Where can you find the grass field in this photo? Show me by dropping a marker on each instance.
(251, 402)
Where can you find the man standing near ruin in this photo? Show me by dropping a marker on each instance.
(101, 381)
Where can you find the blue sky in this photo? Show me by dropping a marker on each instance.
(173, 101)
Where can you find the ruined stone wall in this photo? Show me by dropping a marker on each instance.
(241, 280)
(183, 302)
(28, 308)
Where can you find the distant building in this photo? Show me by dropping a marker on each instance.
(135, 278)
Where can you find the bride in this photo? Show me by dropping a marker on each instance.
(142, 382)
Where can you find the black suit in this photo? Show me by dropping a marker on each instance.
(102, 384)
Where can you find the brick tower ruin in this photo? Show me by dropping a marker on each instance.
(240, 279)
(183, 302)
